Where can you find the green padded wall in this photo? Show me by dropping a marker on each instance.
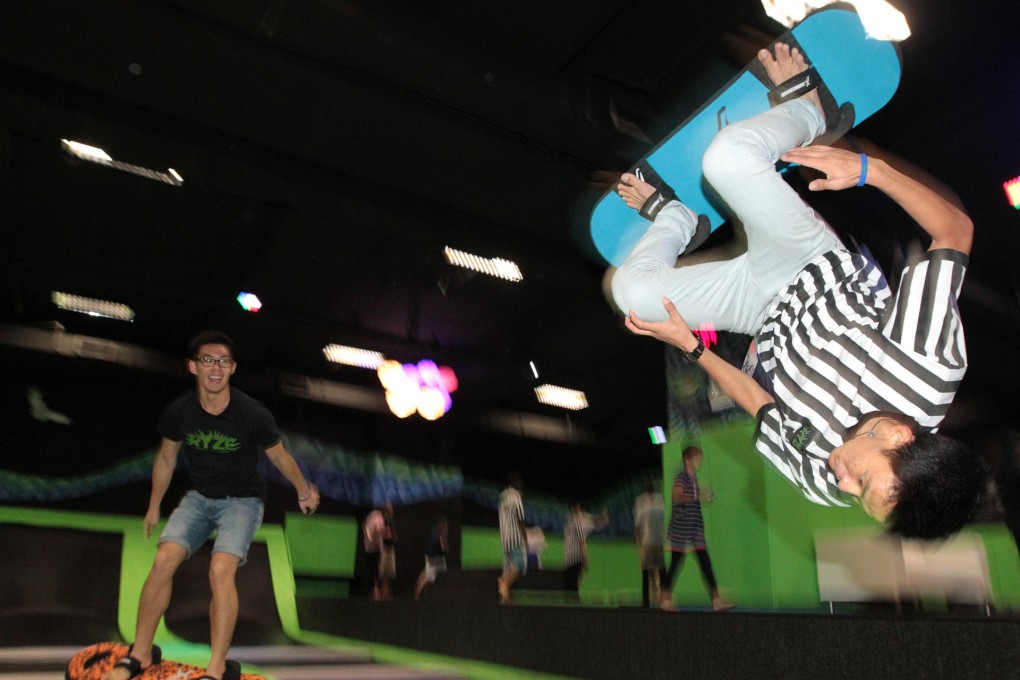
(322, 545)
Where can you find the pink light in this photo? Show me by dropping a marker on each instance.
(1012, 188)
(706, 332)
(424, 387)
(448, 379)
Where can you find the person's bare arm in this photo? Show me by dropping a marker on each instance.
(162, 473)
(678, 494)
(928, 202)
(740, 387)
(308, 495)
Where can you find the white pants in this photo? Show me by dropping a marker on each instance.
(783, 232)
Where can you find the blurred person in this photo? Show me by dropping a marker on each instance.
(536, 546)
(513, 537)
(435, 555)
(687, 530)
(576, 528)
(380, 549)
(649, 534)
(222, 434)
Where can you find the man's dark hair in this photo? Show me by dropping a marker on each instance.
(941, 485)
(209, 338)
(690, 451)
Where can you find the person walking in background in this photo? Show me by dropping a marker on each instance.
(380, 549)
(575, 542)
(512, 536)
(687, 530)
(649, 534)
(435, 555)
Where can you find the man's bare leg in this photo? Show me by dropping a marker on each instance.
(505, 582)
(152, 605)
(222, 610)
(784, 65)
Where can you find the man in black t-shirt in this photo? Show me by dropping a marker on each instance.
(221, 432)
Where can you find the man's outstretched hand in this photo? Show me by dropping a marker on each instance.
(673, 330)
(842, 168)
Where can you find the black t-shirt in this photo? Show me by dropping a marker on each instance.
(221, 452)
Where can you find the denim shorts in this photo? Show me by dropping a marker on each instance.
(516, 560)
(235, 521)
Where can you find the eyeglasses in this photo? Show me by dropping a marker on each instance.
(222, 362)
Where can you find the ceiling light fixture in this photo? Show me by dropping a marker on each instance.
(93, 307)
(881, 20)
(353, 356)
(94, 154)
(564, 397)
(502, 269)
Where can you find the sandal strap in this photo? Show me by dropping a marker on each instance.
(655, 203)
(794, 87)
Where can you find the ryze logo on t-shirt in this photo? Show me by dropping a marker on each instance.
(212, 441)
(799, 440)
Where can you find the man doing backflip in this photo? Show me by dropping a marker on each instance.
(222, 433)
(851, 381)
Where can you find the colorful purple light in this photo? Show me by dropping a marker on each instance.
(423, 387)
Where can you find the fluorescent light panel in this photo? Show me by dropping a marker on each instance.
(554, 395)
(503, 269)
(94, 154)
(353, 356)
(93, 307)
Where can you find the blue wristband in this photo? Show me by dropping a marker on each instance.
(864, 170)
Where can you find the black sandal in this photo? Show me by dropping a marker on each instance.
(839, 118)
(662, 196)
(232, 672)
(134, 666)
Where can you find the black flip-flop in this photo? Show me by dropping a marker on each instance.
(658, 200)
(134, 666)
(231, 672)
(839, 118)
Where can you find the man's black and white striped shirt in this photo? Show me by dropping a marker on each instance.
(836, 345)
(511, 516)
(575, 537)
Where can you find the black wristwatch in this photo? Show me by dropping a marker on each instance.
(695, 354)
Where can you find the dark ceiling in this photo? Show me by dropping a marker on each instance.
(331, 149)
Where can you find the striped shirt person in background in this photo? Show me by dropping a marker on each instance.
(576, 528)
(850, 381)
(512, 536)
